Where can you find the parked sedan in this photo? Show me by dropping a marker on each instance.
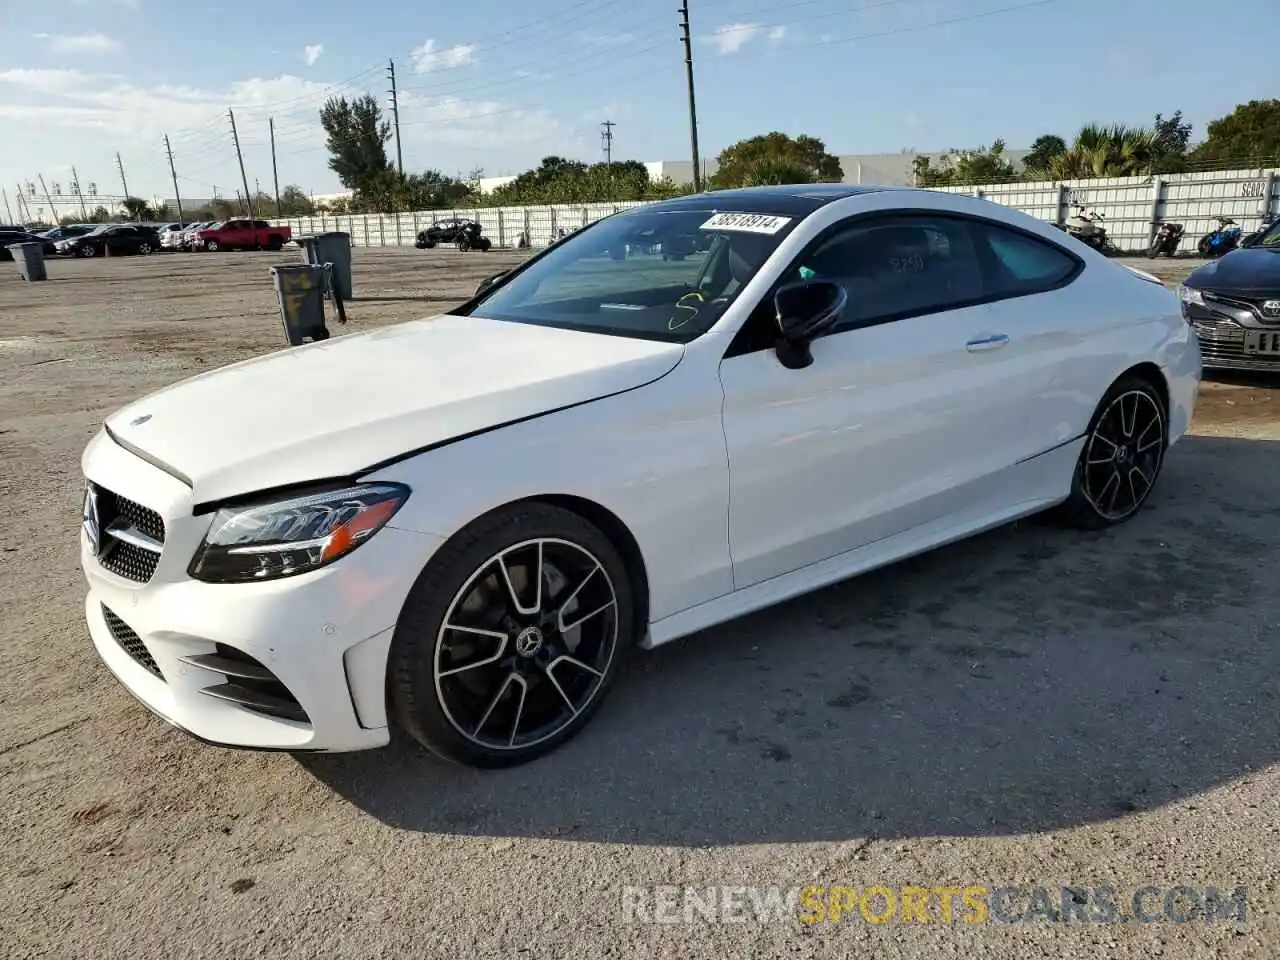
(69, 231)
(21, 236)
(1234, 305)
(115, 240)
(844, 376)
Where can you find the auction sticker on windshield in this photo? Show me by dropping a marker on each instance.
(746, 222)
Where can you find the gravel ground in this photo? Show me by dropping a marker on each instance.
(1034, 706)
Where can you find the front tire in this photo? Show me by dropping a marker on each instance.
(211, 246)
(1122, 456)
(511, 637)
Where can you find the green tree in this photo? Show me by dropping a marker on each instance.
(761, 159)
(1044, 149)
(964, 167)
(356, 137)
(136, 208)
(1248, 136)
(295, 203)
(1105, 151)
(558, 180)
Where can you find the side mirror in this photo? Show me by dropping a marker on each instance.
(805, 311)
(488, 282)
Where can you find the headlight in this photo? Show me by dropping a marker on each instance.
(267, 541)
(1190, 295)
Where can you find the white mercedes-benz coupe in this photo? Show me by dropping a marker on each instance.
(680, 414)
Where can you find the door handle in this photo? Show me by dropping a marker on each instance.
(990, 341)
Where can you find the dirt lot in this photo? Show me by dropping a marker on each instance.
(1032, 707)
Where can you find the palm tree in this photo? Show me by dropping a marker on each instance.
(1097, 151)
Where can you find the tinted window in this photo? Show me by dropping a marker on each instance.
(898, 266)
(261, 223)
(1022, 263)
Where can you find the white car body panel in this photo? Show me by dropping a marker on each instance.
(742, 482)
(332, 408)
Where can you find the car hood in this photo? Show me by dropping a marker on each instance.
(337, 407)
(1251, 270)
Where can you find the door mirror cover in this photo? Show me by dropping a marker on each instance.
(805, 311)
(488, 282)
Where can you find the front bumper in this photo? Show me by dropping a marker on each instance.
(295, 664)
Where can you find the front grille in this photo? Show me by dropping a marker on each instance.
(132, 536)
(1222, 346)
(1253, 305)
(248, 683)
(131, 643)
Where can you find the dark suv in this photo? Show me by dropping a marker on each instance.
(465, 233)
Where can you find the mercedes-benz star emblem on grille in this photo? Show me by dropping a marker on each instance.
(89, 519)
(139, 421)
(1271, 308)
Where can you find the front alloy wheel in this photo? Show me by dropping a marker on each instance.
(511, 636)
(1122, 455)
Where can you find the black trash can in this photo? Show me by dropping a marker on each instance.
(30, 260)
(300, 295)
(333, 247)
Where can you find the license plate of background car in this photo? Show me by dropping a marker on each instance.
(1266, 342)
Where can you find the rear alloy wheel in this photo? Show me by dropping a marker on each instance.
(1122, 456)
(144, 249)
(88, 250)
(211, 246)
(511, 637)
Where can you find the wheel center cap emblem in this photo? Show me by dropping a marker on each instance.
(528, 641)
(1122, 454)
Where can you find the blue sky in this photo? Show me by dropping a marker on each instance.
(499, 84)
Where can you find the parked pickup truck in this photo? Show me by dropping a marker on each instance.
(243, 235)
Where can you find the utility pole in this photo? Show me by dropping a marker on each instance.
(693, 110)
(275, 175)
(75, 183)
(240, 203)
(22, 211)
(123, 182)
(395, 114)
(53, 211)
(244, 180)
(606, 141)
(8, 210)
(177, 195)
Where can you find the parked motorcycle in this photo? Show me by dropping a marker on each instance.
(1223, 240)
(1166, 240)
(1086, 226)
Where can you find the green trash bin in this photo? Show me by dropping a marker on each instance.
(30, 260)
(333, 247)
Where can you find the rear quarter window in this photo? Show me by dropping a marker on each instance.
(1024, 264)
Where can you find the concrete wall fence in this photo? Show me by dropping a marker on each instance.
(1132, 207)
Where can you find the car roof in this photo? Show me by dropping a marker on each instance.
(798, 199)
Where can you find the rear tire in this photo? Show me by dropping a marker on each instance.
(482, 637)
(1122, 456)
(464, 245)
(211, 246)
(275, 244)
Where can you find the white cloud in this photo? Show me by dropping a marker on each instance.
(63, 116)
(732, 37)
(777, 33)
(311, 53)
(427, 58)
(78, 43)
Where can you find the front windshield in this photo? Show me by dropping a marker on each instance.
(1272, 237)
(653, 273)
